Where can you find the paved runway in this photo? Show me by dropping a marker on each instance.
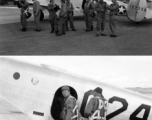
(133, 39)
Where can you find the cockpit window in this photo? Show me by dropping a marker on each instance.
(16, 75)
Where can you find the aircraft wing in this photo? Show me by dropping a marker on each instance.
(146, 91)
(9, 112)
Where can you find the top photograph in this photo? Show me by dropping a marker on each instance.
(75, 27)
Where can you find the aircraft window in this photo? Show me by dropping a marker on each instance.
(58, 101)
(35, 81)
(16, 75)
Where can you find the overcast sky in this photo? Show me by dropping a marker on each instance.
(124, 71)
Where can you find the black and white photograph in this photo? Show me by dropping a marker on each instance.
(75, 88)
(75, 27)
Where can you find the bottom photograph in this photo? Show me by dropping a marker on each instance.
(75, 88)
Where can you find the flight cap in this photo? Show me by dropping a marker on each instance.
(65, 88)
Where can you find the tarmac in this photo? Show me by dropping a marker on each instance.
(133, 38)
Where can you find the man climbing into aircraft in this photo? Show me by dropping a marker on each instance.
(112, 22)
(37, 14)
(24, 7)
(70, 8)
(69, 104)
(101, 10)
(95, 107)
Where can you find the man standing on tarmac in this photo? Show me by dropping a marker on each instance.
(24, 7)
(88, 12)
(62, 18)
(52, 15)
(112, 22)
(70, 8)
(37, 14)
(101, 14)
(69, 104)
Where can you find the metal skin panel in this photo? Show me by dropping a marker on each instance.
(136, 10)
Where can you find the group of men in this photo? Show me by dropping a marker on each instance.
(59, 23)
(94, 106)
(99, 8)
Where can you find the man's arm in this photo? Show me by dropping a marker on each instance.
(116, 6)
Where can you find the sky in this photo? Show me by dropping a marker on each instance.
(123, 71)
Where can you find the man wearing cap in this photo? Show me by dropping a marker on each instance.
(24, 6)
(112, 22)
(62, 16)
(52, 15)
(70, 8)
(37, 14)
(94, 105)
(69, 104)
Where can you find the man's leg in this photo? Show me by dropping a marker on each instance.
(113, 25)
(103, 26)
(61, 22)
(98, 26)
(66, 22)
(38, 21)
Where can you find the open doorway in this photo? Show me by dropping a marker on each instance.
(58, 102)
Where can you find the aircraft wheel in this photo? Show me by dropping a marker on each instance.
(42, 16)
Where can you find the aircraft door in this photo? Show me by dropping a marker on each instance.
(58, 102)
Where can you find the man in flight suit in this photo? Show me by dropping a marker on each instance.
(93, 105)
(88, 12)
(70, 8)
(37, 14)
(52, 15)
(69, 104)
(24, 6)
(112, 22)
(62, 18)
(101, 14)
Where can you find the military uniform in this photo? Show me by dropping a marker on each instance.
(69, 105)
(112, 22)
(52, 16)
(62, 18)
(69, 17)
(37, 14)
(101, 13)
(94, 106)
(24, 6)
(88, 12)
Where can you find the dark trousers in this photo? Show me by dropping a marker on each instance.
(23, 20)
(88, 21)
(37, 20)
(52, 22)
(100, 23)
(70, 19)
(112, 23)
(62, 25)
